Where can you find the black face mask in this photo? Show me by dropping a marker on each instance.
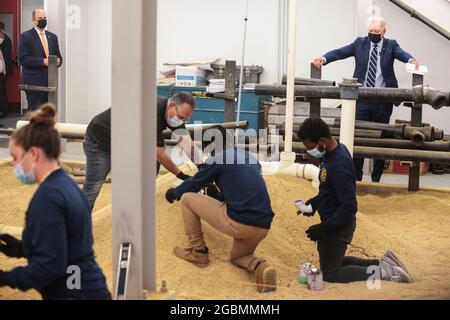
(375, 38)
(42, 24)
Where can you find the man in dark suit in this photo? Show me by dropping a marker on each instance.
(374, 56)
(6, 68)
(35, 46)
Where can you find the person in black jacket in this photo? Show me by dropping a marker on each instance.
(337, 207)
(57, 239)
(171, 114)
(6, 68)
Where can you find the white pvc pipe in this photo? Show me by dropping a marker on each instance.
(63, 128)
(291, 75)
(301, 171)
(348, 116)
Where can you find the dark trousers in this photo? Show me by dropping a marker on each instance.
(336, 267)
(36, 99)
(98, 166)
(3, 94)
(379, 112)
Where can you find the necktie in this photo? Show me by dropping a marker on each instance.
(373, 65)
(44, 43)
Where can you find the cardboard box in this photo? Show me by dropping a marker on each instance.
(402, 167)
(189, 77)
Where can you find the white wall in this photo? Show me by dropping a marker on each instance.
(27, 9)
(198, 29)
(436, 10)
(88, 59)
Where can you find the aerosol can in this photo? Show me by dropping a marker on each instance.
(315, 280)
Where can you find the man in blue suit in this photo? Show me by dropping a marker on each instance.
(374, 56)
(35, 46)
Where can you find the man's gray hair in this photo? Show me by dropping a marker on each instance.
(376, 19)
(183, 97)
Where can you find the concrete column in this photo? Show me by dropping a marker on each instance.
(56, 15)
(134, 139)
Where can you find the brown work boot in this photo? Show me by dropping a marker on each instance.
(198, 257)
(266, 278)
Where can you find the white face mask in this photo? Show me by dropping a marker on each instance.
(174, 121)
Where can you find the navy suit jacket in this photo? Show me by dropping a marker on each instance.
(31, 56)
(360, 49)
(6, 48)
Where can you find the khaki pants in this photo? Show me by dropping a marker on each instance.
(196, 207)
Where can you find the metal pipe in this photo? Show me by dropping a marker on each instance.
(404, 155)
(78, 131)
(438, 134)
(417, 15)
(419, 94)
(191, 128)
(388, 131)
(418, 134)
(402, 144)
(397, 144)
(310, 82)
(360, 133)
(418, 138)
(392, 154)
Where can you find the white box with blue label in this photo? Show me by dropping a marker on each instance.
(189, 76)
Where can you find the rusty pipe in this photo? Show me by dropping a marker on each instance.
(388, 131)
(391, 154)
(416, 133)
(310, 82)
(418, 138)
(419, 94)
(191, 128)
(396, 143)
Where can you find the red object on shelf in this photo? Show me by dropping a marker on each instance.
(402, 167)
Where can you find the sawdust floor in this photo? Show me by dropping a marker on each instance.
(415, 226)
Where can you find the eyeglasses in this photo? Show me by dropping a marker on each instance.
(180, 116)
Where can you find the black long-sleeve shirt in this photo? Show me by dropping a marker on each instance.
(336, 202)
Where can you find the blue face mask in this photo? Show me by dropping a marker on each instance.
(316, 153)
(22, 176)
